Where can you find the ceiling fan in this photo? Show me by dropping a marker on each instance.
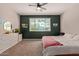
(39, 6)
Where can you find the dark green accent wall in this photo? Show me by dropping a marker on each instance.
(27, 34)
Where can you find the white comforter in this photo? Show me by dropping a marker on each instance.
(70, 45)
(57, 50)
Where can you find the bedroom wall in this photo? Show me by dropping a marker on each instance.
(55, 30)
(9, 14)
(10, 40)
(70, 20)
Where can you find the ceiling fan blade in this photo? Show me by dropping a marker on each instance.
(43, 8)
(32, 5)
(43, 4)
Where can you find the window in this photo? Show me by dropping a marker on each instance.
(39, 24)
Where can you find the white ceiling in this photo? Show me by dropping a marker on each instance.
(52, 8)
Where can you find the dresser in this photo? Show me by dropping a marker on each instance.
(9, 40)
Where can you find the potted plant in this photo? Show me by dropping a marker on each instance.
(17, 30)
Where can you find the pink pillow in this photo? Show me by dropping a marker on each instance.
(50, 41)
(54, 43)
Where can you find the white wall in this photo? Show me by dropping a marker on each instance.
(7, 41)
(70, 20)
(9, 15)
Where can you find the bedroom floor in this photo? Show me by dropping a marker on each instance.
(25, 48)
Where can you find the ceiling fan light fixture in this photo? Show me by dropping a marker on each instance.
(38, 8)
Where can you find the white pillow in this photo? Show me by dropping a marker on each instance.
(69, 35)
(76, 37)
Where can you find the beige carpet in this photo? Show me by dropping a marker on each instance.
(25, 48)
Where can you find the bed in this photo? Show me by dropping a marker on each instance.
(61, 45)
